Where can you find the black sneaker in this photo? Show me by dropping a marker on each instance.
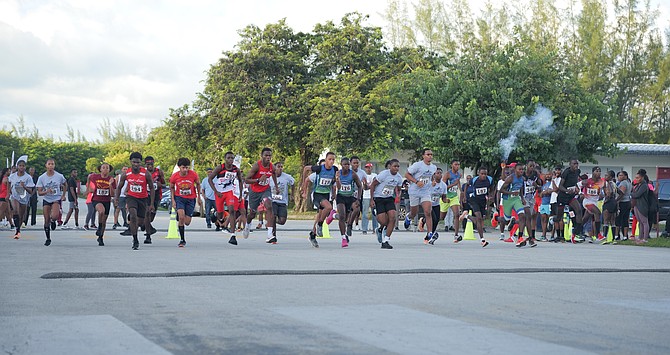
(458, 238)
(532, 243)
(152, 231)
(100, 242)
(182, 243)
(47, 242)
(142, 228)
(53, 225)
(218, 229)
(433, 239)
(136, 245)
(233, 240)
(147, 240)
(272, 240)
(116, 225)
(348, 232)
(312, 239)
(126, 233)
(386, 245)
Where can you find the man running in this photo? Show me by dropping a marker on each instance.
(280, 200)
(72, 197)
(367, 198)
(419, 176)
(259, 193)
(158, 181)
(207, 192)
(347, 182)
(567, 197)
(453, 178)
(557, 232)
(593, 193)
(52, 187)
(532, 183)
(323, 185)
(226, 176)
(384, 188)
(358, 204)
(483, 191)
(184, 191)
(545, 206)
(103, 186)
(438, 193)
(21, 186)
(513, 200)
(140, 186)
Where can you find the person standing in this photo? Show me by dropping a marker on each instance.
(210, 198)
(419, 175)
(640, 202)
(21, 188)
(184, 191)
(52, 187)
(140, 186)
(103, 185)
(367, 197)
(625, 187)
(72, 197)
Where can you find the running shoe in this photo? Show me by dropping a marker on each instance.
(86, 227)
(484, 243)
(218, 229)
(509, 240)
(47, 242)
(426, 239)
(93, 226)
(464, 215)
(272, 240)
(531, 242)
(312, 239)
(126, 233)
(65, 227)
(152, 231)
(457, 238)
(345, 243)
(601, 237)
(349, 232)
(386, 245)
(407, 221)
(576, 239)
(379, 234)
(259, 226)
(502, 237)
(100, 242)
(232, 240)
(182, 243)
(330, 217)
(147, 240)
(433, 238)
(319, 231)
(17, 235)
(245, 233)
(521, 242)
(116, 225)
(53, 225)
(136, 244)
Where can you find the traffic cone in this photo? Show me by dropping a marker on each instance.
(469, 230)
(326, 231)
(567, 229)
(494, 220)
(173, 233)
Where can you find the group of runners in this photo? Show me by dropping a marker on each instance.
(523, 192)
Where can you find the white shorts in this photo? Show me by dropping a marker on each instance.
(415, 200)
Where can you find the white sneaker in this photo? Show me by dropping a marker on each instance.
(358, 227)
(65, 226)
(245, 232)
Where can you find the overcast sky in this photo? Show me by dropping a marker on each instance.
(78, 62)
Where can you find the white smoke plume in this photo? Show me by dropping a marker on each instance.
(539, 123)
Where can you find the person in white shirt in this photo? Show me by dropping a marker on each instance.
(369, 177)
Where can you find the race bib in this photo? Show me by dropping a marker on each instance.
(102, 192)
(481, 191)
(453, 189)
(325, 182)
(592, 192)
(387, 191)
(185, 192)
(425, 181)
(436, 198)
(155, 186)
(345, 188)
(136, 188)
(55, 191)
(571, 214)
(263, 182)
(530, 190)
(230, 175)
(277, 197)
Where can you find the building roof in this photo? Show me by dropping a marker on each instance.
(645, 149)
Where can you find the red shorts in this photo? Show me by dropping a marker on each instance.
(228, 199)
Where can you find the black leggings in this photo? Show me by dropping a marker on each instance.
(624, 215)
(436, 217)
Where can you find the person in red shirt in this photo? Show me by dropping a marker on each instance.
(226, 181)
(103, 185)
(259, 190)
(140, 186)
(184, 191)
(158, 181)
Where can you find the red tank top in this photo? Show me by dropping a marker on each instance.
(257, 187)
(155, 177)
(137, 184)
(3, 189)
(102, 189)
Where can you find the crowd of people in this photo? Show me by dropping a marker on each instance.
(530, 203)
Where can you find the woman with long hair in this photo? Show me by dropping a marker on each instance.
(4, 197)
(640, 202)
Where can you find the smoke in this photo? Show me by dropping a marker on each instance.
(539, 123)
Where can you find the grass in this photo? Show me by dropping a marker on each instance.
(652, 242)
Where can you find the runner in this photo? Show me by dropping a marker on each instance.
(545, 206)
(226, 175)
(184, 191)
(501, 221)
(557, 233)
(136, 195)
(420, 175)
(51, 186)
(207, 191)
(483, 191)
(610, 205)
(593, 193)
(121, 207)
(4, 199)
(384, 189)
(32, 205)
(280, 200)
(367, 198)
(323, 185)
(453, 178)
(103, 186)
(158, 182)
(21, 186)
(358, 204)
(532, 183)
(259, 192)
(513, 200)
(72, 197)
(567, 197)
(347, 182)
(438, 193)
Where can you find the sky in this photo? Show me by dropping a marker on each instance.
(79, 62)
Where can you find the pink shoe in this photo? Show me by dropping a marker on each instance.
(329, 219)
(509, 240)
(344, 243)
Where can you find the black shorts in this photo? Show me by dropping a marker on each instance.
(139, 204)
(318, 198)
(279, 210)
(347, 201)
(2, 199)
(610, 206)
(383, 205)
(44, 203)
(104, 204)
(477, 205)
(554, 209)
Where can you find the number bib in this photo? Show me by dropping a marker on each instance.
(592, 192)
(135, 188)
(387, 190)
(481, 191)
(453, 189)
(325, 182)
(155, 186)
(436, 198)
(102, 192)
(345, 188)
(185, 192)
(263, 182)
(277, 197)
(425, 181)
(530, 190)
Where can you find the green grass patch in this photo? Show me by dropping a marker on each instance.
(652, 242)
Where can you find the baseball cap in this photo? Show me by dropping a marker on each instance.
(511, 165)
(208, 169)
(368, 165)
